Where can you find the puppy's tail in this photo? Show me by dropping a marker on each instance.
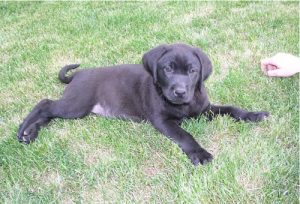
(62, 73)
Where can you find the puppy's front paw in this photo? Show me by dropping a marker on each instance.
(28, 135)
(200, 156)
(256, 116)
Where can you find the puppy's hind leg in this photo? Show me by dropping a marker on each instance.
(26, 132)
(46, 110)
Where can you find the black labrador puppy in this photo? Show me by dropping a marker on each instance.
(167, 88)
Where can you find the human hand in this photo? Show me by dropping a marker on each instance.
(281, 65)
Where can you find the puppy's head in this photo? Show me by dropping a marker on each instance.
(178, 69)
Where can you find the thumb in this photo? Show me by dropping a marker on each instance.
(267, 61)
(264, 64)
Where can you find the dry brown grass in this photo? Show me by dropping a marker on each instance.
(92, 154)
(154, 165)
(250, 183)
(198, 13)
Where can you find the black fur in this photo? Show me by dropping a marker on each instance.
(166, 89)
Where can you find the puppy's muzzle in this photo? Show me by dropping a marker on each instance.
(180, 92)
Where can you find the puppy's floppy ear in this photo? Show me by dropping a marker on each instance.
(151, 57)
(206, 66)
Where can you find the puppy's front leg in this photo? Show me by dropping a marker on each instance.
(236, 113)
(186, 142)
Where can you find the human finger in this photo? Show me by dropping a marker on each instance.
(278, 73)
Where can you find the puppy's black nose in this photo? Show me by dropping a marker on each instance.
(179, 92)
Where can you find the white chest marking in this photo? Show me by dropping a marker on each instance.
(101, 110)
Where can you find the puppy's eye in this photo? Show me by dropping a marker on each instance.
(192, 70)
(168, 69)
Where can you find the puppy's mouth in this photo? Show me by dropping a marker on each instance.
(178, 101)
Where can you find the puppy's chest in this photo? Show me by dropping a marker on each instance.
(185, 111)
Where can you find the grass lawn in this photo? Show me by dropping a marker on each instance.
(98, 160)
